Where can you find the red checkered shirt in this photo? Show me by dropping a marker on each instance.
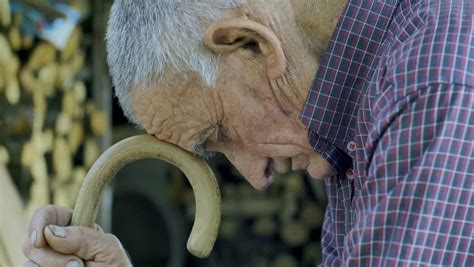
(392, 108)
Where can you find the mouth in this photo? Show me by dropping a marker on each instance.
(267, 176)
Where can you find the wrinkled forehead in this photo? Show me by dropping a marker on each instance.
(178, 93)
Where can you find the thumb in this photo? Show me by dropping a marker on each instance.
(86, 243)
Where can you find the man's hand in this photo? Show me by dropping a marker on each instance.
(52, 243)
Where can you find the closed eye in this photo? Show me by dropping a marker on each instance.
(222, 134)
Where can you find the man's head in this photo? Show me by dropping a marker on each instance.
(224, 76)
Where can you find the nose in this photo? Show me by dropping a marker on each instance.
(252, 167)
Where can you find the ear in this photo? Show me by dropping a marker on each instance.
(229, 35)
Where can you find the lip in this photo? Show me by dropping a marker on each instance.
(299, 162)
(268, 178)
(279, 150)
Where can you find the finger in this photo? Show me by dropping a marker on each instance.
(30, 264)
(43, 217)
(86, 243)
(48, 257)
(99, 229)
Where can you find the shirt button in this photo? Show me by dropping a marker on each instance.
(351, 146)
(350, 174)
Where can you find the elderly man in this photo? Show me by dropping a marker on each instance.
(388, 121)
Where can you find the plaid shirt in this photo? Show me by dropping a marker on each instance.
(392, 108)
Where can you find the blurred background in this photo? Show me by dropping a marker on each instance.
(57, 114)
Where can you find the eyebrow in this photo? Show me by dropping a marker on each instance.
(200, 150)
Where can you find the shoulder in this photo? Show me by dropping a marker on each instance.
(431, 42)
(429, 50)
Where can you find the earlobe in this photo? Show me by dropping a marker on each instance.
(228, 35)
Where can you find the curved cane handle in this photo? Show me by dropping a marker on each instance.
(206, 190)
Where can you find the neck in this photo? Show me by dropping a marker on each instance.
(307, 26)
(317, 20)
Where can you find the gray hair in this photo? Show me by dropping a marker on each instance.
(146, 36)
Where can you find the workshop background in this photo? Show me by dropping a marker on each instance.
(57, 114)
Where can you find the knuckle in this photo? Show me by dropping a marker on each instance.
(116, 250)
(81, 231)
(73, 258)
(47, 208)
(57, 260)
(111, 239)
(99, 229)
(78, 231)
(45, 211)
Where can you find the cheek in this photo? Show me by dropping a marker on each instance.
(247, 100)
(251, 166)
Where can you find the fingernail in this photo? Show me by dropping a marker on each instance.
(57, 231)
(73, 263)
(33, 237)
(30, 264)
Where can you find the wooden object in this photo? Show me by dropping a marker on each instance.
(91, 152)
(77, 62)
(62, 159)
(79, 91)
(65, 77)
(43, 54)
(69, 105)
(63, 124)
(47, 76)
(4, 157)
(199, 174)
(5, 17)
(47, 141)
(76, 136)
(99, 122)
(27, 42)
(48, 87)
(72, 45)
(12, 89)
(39, 191)
(8, 73)
(13, 223)
(28, 81)
(15, 38)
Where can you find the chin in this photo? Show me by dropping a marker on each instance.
(318, 174)
(262, 183)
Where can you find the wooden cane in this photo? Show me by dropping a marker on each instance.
(206, 190)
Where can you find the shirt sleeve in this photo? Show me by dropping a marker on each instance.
(416, 205)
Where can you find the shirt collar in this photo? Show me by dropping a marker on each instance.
(332, 104)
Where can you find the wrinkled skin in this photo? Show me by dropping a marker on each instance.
(251, 115)
(251, 126)
(50, 243)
